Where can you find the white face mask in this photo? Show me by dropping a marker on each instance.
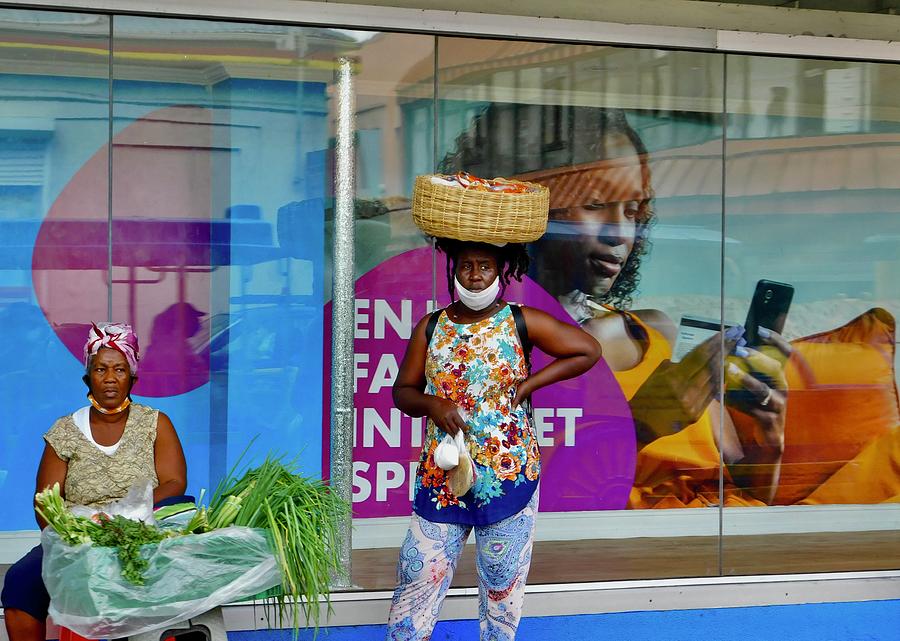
(476, 301)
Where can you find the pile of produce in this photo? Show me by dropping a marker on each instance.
(125, 535)
(474, 183)
(300, 517)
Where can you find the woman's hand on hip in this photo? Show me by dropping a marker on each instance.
(523, 391)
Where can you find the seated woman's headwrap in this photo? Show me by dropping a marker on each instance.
(118, 336)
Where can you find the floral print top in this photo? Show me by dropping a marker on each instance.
(478, 366)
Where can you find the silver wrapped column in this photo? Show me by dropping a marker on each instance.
(343, 309)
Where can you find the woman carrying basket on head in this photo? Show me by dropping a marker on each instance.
(468, 372)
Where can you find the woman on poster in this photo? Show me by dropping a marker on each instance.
(590, 260)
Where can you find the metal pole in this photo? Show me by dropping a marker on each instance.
(109, 182)
(342, 311)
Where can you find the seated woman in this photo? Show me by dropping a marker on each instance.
(96, 454)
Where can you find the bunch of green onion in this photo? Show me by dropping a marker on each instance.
(302, 516)
(51, 507)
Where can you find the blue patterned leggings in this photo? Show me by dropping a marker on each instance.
(428, 559)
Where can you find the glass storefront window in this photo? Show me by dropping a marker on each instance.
(610, 132)
(221, 160)
(184, 184)
(54, 226)
(812, 208)
(393, 265)
(215, 136)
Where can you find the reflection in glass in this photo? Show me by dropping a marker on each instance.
(606, 130)
(810, 204)
(220, 178)
(390, 297)
(53, 262)
(394, 122)
(221, 159)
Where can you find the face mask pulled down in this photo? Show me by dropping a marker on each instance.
(476, 301)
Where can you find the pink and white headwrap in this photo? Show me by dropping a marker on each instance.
(118, 336)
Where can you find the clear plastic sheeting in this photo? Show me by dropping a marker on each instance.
(186, 576)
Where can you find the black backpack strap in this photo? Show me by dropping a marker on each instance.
(432, 324)
(522, 330)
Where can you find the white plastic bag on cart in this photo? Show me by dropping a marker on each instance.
(137, 505)
(186, 576)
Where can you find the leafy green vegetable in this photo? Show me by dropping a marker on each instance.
(302, 516)
(173, 510)
(72, 529)
(125, 535)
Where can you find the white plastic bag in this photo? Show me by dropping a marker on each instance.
(462, 477)
(137, 505)
(187, 576)
(448, 451)
(446, 454)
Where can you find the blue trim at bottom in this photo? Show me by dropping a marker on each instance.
(857, 621)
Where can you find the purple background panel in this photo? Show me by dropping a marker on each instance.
(588, 442)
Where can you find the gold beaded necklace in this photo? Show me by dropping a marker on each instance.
(103, 410)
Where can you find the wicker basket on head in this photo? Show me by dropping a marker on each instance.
(480, 216)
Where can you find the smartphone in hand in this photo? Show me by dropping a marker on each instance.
(768, 308)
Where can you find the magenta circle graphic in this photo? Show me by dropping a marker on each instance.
(589, 448)
(160, 253)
